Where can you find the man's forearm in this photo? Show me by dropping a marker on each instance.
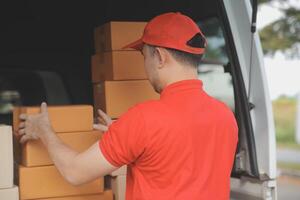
(61, 154)
(77, 168)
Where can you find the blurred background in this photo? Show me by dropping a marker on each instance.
(41, 35)
(279, 29)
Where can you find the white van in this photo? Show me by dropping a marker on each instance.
(232, 71)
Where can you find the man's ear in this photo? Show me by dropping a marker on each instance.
(162, 56)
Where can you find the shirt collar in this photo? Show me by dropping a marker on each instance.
(181, 86)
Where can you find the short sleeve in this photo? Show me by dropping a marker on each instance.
(125, 140)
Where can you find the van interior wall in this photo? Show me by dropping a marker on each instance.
(57, 35)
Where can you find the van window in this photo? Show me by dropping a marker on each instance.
(217, 82)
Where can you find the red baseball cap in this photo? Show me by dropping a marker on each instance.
(170, 30)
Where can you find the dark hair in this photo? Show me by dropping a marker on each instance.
(188, 58)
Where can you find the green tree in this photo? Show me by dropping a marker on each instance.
(283, 34)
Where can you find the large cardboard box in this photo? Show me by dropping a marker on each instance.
(6, 157)
(35, 154)
(118, 65)
(116, 97)
(9, 193)
(46, 182)
(118, 185)
(106, 195)
(115, 35)
(70, 118)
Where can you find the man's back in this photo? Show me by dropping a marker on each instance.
(184, 145)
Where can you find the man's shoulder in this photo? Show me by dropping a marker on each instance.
(221, 108)
(141, 112)
(146, 108)
(149, 104)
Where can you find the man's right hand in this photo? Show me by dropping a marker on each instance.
(104, 121)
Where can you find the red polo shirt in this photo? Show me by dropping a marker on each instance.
(179, 147)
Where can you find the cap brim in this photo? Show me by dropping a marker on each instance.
(137, 45)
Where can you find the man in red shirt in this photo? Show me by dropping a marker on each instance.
(181, 146)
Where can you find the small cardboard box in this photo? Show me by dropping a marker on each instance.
(46, 182)
(69, 118)
(9, 193)
(6, 157)
(118, 185)
(35, 154)
(116, 97)
(115, 35)
(118, 65)
(106, 195)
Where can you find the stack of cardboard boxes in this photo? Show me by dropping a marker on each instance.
(38, 177)
(118, 75)
(119, 82)
(119, 78)
(8, 191)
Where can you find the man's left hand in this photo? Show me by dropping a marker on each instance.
(33, 127)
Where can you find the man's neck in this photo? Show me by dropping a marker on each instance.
(186, 75)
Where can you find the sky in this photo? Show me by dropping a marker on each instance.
(283, 75)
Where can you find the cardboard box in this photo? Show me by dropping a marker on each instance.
(16, 120)
(69, 118)
(106, 195)
(46, 182)
(9, 193)
(118, 185)
(116, 97)
(118, 65)
(35, 154)
(6, 157)
(17, 148)
(115, 35)
(121, 171)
